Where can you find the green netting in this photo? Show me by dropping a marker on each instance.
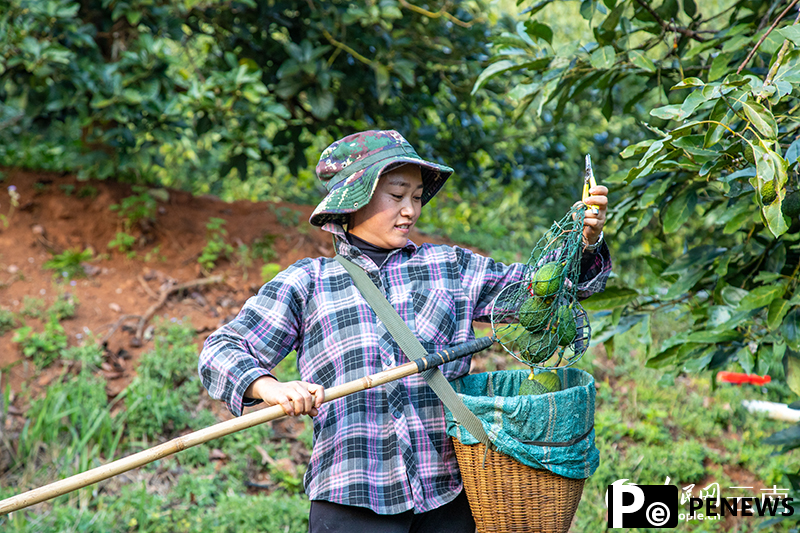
(540, 317)
(553, 431)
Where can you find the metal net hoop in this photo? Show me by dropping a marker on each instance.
(540, 316)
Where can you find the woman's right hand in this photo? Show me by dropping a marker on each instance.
(296, 397)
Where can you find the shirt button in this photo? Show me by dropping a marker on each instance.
(397, 413)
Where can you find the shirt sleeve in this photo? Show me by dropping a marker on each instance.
(267, 328)
(483, 278)
(595, 269)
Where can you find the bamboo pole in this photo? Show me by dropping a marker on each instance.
(249, 420)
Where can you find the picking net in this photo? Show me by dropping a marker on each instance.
(539, 318)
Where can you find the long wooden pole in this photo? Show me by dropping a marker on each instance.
(178, 444)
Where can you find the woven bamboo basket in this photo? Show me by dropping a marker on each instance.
(507, 496)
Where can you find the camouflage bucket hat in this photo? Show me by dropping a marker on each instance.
(350, 169)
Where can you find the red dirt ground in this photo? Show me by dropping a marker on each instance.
(52, 217)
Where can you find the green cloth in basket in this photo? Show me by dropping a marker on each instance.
(554, 431)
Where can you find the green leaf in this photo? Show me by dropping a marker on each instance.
(679, 211)
(663, 358)
(669, 112)
(694, 100)
(791, 33)
(689, 82)
(788, 438)
(587, 9)
(761, 118)
(790, 68)
(762, 296)
(699, 48)
(699, 359)
(792, 369)
(656, 264)
(133, 16)
(699, 256)
(405, 71)
(740, 219)
(777, 311)
(690, 8)
(733, 295)
(491, 71)
(654, 192)
(610, 298)
(637, 148)
(790, 329)
(603, 58)
(711, 337)
(723, 114)
(610, 24)
(694, 145)
(685, 282)
(719, 66)
(745, 358)
(537, 29)
(321, 103)
(793, 152)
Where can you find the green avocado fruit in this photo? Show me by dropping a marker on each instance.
(566, 328)
(534, 348)
(533, 314)
(791, 205)
(547, 280)
(531, 387)
(549, 380)
(768, 193)
(541, 383)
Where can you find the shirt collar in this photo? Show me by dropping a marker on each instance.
(344, 248)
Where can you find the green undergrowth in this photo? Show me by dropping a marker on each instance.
(74, 427)
(647, 429)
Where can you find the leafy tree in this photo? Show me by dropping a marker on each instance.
(188, 94)
(712, 194)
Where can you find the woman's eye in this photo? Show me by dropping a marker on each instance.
(398, 196)
(418, 198)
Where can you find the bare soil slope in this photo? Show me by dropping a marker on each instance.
(58, 212)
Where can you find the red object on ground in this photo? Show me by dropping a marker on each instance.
(738, 378)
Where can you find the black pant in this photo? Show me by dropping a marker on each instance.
(453, 517)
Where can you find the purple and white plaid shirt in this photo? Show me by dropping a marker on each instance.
(384, 448)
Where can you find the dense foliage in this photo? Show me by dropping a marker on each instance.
(191, 93)
(714, 197)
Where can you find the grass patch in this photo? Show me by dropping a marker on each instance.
(694, 434)
(646, 429)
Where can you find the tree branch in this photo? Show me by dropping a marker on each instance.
(346, 48)
(755, 48)
(165, 293)
(686, 32)
(441, 13)
(777, 65)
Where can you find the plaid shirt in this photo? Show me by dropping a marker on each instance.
(384, 448)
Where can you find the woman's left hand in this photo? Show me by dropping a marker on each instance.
(593, 222)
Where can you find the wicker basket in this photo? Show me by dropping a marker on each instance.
(507, 496)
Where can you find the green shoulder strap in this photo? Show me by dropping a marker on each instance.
(411, 346)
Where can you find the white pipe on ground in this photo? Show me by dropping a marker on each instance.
(778, 411)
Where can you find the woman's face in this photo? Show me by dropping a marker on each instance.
(387, 219)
